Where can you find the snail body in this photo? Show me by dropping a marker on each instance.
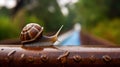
(32, 35)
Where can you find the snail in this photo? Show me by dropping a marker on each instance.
(32, 35)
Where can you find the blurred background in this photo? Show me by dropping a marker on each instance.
(97, 17)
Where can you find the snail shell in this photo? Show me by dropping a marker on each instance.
(32, 35)
(31, 32)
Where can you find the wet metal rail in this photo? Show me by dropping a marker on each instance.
(66, 56)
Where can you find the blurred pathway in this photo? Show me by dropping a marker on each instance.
(71, 37)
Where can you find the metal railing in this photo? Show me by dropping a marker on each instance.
(57, 56)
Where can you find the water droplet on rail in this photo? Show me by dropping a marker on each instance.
(11, 52)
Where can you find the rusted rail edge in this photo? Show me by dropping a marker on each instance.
(16, 56)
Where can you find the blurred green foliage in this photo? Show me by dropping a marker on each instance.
(108, 29)
(100, 17)
(7, 29)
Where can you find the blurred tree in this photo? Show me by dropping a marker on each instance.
(50, 13)
(114, 9)
(46, 13)
(95, 15)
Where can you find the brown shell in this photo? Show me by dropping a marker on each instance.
(31, 32)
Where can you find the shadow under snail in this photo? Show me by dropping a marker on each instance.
(32, 35)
